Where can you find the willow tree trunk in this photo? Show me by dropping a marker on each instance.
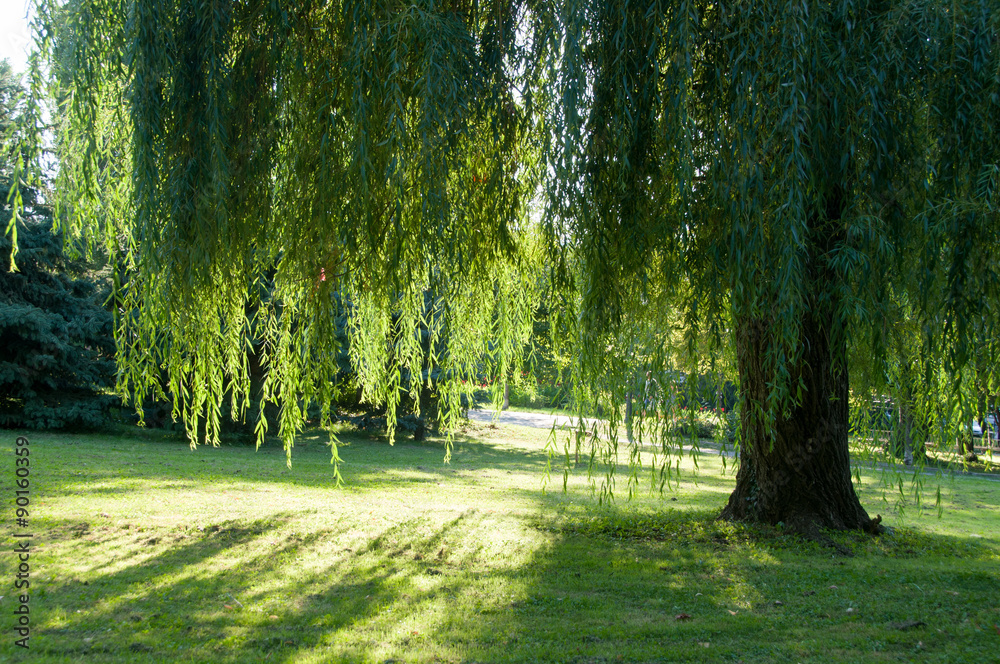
(799, 472)
(906, 432)
(628, 416)
(967, 446)
(797, 469)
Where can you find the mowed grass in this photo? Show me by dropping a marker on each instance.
(146, 551)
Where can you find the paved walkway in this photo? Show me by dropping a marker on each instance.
(535, 420)
(545, 421)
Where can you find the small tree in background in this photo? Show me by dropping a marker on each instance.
(57, 361)
(58, 350)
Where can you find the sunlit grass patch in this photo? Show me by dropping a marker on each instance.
(147, 551)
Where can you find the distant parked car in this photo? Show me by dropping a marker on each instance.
(991, 425)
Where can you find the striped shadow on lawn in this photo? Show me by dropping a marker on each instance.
(144, 551)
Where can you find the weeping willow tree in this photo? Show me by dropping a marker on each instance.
(780, 171)
(253, 166)
(765, 173)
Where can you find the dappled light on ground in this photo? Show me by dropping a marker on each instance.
(149, 551)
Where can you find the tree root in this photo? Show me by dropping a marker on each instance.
(874, 526)
(811, 527)
(808, 527)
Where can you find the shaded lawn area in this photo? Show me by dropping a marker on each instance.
(147, 551)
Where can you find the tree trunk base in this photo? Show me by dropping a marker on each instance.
(796, 469)
(804, 520)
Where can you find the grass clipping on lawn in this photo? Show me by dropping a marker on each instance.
(145, 550)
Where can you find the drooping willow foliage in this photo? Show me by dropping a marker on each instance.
(256, 168)
(751, 164)
(706, 168)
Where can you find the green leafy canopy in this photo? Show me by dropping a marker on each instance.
(247, 157)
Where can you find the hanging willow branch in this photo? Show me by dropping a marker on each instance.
(258, 172)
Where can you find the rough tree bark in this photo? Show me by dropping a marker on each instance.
(799, 472)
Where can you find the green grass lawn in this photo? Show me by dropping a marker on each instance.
(145, 551)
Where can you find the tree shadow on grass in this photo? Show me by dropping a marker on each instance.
(202, 590)
(462, 579)
(238, 593)
(617, 584)
(621, 584)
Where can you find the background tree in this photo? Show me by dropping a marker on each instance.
(58, 350)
